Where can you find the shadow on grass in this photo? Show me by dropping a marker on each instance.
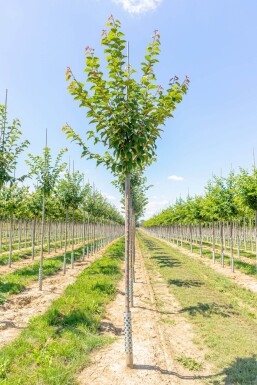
(185, 283)
(166, 261)
(243, 371)
(209, 309)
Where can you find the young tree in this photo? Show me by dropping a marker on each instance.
(247, 187)
(128, 115)
(70, 194)
(46, 173)
(10, 147)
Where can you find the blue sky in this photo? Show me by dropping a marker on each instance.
(213, 42)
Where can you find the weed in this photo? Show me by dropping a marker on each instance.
(189, 363)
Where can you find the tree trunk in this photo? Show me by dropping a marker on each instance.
(65, 242)
(191, 237)
(127, 313)
(213, 242)
(40, 278)
(33, 237)
(10, 242)
(72, 241)
(256, 237)
(221, 244)
(201, 240)
(231, 247)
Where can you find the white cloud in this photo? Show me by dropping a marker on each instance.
(155, 206)
(110, 197)
(176, 178)
(138, 6)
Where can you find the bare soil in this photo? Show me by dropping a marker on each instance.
(159, 337)
(16, 312)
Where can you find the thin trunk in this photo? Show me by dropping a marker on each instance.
(72, 241)
(40, 278)
(33, 237)
(10, 241)
(221, 244)
(213, 242)
(65, 242)
(191, 237)
(231, 247)
(201, 240)
(127, 313)
(256, 237)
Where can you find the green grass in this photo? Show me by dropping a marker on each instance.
(27, 252)
(223, 315)
(189, 363)
(17, 281)
(247, 268)
(57, 345)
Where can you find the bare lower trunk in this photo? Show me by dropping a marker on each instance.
(231, 247)
(65, 242)
(221, 244)
(127, 313)
(40, 278)
(10, 242)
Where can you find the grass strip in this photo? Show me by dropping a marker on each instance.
(27, 252)
(17, 281)
(247, 268)
(56, 345)
(223, 315)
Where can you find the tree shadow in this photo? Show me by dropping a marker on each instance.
(10, 324)
(154, 310)
(166, 261)
(109, 327)
(185, 283)
(172, 373)
(209, 309)
(242, 371)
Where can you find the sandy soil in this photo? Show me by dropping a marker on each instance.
(241, 279)
(16, 312)
(158, 338)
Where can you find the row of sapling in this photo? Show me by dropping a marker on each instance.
(227, 200)
(10, 149)
(25, 207)
(46, 173)
(127, 116)
(40, 204)
(70, 195)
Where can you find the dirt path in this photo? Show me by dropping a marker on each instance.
(158, 338)
(241, 279)
(16, 312)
